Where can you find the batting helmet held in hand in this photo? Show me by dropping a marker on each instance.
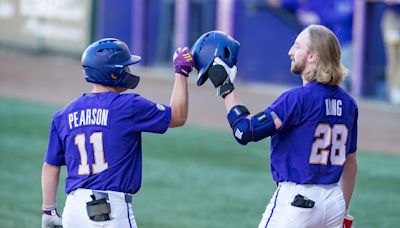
(109, 56)
(211, 45)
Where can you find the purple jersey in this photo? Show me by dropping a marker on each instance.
(319, 130)
(98, 138)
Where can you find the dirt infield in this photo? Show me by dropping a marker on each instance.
(58, 80)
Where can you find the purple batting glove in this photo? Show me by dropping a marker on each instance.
(183, 61)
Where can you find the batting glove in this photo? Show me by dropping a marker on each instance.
(348, 220)
(183, 61)
(222, 76)
(51, 218)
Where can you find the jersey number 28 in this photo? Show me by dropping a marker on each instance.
(96, 139)
(336, 138)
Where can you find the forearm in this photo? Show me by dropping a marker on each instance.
(231, 100)
(50, 178)
(348, 178)
(179, 101)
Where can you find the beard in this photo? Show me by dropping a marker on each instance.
(298, 68)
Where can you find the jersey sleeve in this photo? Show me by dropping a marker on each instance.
(151, 117)
(55, 153)
(354, 132)
(287, 108)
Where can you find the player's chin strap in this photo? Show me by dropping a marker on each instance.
(246, 130)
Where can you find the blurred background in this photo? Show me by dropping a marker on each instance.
(41, 42)
(265, 28)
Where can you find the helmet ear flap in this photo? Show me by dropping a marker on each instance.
(119, 72)
(124, 78)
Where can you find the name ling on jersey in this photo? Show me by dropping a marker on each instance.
(333, 107)
(95, 116)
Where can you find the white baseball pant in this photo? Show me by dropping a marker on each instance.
(328, 211)
(75, 214)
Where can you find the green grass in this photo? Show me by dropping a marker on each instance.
(192, 177)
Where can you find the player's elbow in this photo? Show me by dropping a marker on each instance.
(181, 121)
(178, 117)
(244, 136)
(242, 132)
(237, 118)
(255, 129)
(177, 122)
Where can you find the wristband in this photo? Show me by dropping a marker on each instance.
(225, 89)
(51, 212)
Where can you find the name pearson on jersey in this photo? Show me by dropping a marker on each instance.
(333, 107)
(95, 116)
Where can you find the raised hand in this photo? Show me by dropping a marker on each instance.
(222, 76)
(183, 61)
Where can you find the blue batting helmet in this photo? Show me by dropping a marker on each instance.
(211, 45)
(109, 56)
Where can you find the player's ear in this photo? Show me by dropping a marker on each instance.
(114, 76)
(312, 57)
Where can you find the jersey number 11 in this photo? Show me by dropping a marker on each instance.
(96, 139)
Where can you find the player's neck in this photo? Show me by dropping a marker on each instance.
(102, 89)
(304, 80)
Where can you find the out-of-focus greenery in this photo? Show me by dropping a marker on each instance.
(192, 177)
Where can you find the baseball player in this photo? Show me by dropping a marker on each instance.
(98, 138)
(313, 128)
